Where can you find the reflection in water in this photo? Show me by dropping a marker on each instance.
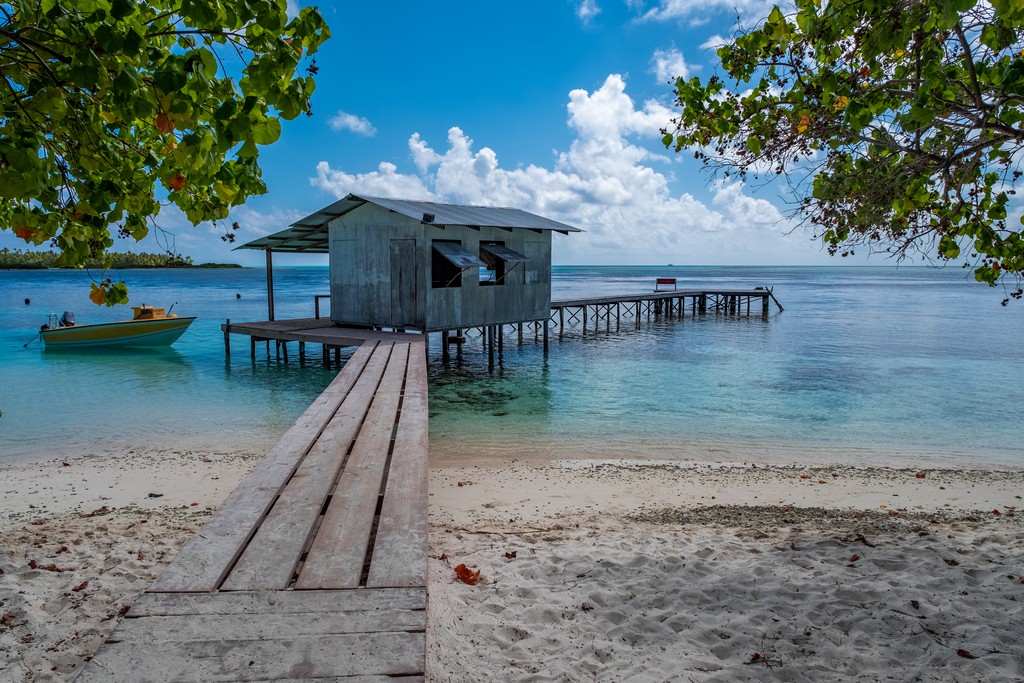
(146, 368)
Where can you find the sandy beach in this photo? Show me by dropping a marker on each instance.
(590, 570)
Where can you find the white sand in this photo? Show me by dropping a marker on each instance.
(97, 539)
(591, 571)
(716, 573)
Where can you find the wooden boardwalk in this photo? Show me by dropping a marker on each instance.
(317, 331)
(315, 567)
(670, 303)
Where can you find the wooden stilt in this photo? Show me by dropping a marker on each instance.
(227, 338)
(489, 343)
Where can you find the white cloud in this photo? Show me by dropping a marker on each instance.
(749, 12)
(587, 10)
(173, 231)
(668, 65)
(384, 182)
(353, 123)
(253, 224)
(605, 183)
(714, 42)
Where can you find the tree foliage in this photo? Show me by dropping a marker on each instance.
(108, 108)
(897, 122)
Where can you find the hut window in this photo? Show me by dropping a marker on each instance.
(499, 260)
(448, 260)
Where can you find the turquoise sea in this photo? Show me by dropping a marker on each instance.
(908, 366)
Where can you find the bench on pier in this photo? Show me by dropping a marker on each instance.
(658, 282)
(316, 565)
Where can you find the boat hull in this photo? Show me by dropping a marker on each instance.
(156, 332)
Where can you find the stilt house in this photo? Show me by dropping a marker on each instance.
(425, 266)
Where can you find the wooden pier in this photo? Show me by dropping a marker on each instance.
(317, 331)
(594, 311)
(315, 567)
(584, 314)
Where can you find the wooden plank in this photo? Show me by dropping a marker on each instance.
(360, 679)
(270, 558)
(400, 549)
(306, 657)
(278, 602)
(314, 329)
(187, 628)
(337, 555)
(206, 557)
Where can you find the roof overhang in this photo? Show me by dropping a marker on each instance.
(458, 255)
(503, 253)
(309, 235)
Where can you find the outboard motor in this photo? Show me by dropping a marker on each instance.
(68, 319)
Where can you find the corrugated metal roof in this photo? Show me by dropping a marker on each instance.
(309, 235)
(504, 253)
(458, 255)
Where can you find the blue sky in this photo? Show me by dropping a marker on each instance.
(551, 106)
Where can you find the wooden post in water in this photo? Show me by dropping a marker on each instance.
(227, 338)
(545, 337)
(444, 347)
(489, 343)
(270, 287)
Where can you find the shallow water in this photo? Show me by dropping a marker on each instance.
(869, 365)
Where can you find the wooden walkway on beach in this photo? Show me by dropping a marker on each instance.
(315, 567)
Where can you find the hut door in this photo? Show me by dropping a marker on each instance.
(403, 283)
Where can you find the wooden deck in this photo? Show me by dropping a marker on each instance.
(315, 566)
(305, 331)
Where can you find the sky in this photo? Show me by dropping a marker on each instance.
(551, 106)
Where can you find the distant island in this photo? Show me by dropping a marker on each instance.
(39, 260)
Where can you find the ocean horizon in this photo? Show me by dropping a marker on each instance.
(901, 366)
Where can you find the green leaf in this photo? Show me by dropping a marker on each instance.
(266, 131)
(948, 247)
(87, 121)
